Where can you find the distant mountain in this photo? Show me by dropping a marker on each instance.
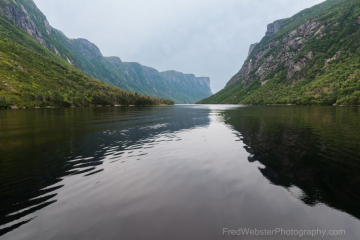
(310, 58)
(87, 57)
(33, 76)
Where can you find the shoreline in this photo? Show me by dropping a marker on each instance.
(162, 105)
(319, 105)
(98, 106)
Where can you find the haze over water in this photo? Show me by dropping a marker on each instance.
(178, 172)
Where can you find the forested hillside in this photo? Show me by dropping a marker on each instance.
(310, 58)
(87, 57)
(32, 76)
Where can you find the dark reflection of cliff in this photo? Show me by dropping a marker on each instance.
(42, 146)
(313, 148)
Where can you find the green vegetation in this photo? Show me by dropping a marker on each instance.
(181, 88)
(332, 76)
(133, 76)
(87, 57)
(32, 76)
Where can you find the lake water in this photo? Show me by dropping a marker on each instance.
(181, 172)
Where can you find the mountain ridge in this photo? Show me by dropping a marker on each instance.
(87, 57)
(32, 76)
(308, 59)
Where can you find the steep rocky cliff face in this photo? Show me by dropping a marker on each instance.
(176, 86)
(87, 57)
(15, 12)
(273, 28)
(188, 79)
(305, 59)
(85, 48)
(287, 49)
(252, 46)
(25, 15)
(191, 86)
(33, 76)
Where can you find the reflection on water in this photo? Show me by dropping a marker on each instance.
(41, 147)
(181, 172)
(315, 149)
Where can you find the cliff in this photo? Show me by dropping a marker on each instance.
(176, 86)
(88, 58)
(273, 28)
(32, 76)
(310, 58)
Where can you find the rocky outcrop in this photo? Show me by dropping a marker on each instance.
(114, 60)
(180, 77)
(204, 81)
(149, 70)
(180, 87)
(284, 55)
(22, 69)
(16, 13)
(336, 56)
(252, 46)
(300, 60)
(308, 29)
(172, 75)
(86, 48)
(25, 15)
(273, 28)
(296, 66)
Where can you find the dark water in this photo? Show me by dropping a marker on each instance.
(182, 172)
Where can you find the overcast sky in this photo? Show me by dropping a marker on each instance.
(204, 37)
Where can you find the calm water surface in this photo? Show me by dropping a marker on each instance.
(180, 172)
